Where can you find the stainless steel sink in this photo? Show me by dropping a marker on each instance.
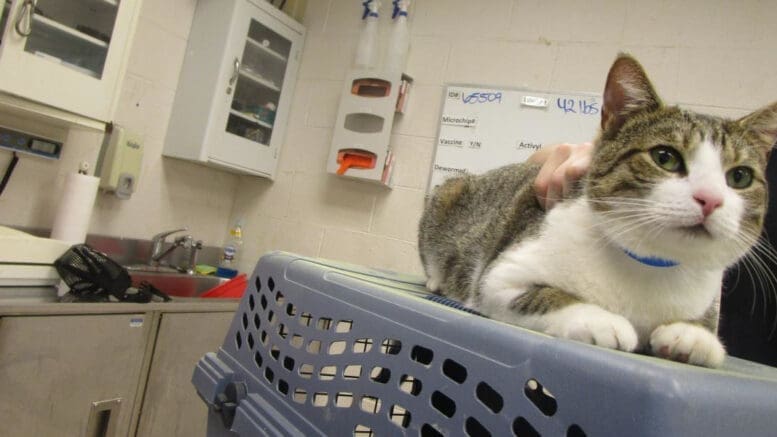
(172, 282)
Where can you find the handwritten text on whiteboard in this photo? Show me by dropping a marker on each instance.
(579, 106)
(481, 97)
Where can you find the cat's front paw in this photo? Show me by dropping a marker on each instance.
(594, 325)
(687, 343)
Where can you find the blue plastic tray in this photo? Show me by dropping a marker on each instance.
(318, 348)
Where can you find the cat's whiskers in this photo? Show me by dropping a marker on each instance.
(656, 232)
(761, 256)
(639, 207)
(749, 240)
(619, 202)
(758, 254)
(758, 273)
(752, 275)
(757, 261)
(623, 225)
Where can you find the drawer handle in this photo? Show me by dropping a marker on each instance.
(103, 418)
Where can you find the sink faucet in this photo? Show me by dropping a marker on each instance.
(157, 241)
(186, 241)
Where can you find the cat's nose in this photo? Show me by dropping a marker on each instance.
(708, 200)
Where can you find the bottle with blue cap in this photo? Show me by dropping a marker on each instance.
(230, 254)
(367, 47)
(396, 53)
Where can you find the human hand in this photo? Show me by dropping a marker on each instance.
(562, 166)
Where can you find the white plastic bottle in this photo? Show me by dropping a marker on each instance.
(231, 252)
(396, 53)
(367, 47)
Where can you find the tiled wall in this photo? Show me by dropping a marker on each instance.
(714, 56)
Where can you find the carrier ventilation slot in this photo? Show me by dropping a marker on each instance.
(315, 337)
(522, 428)
(540, 397)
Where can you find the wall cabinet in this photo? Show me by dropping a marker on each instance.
(52, 368)
(235, 87)
(68, 54)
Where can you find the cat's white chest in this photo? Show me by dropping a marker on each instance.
(571, 255)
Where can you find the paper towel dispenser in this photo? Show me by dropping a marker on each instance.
(120, 160)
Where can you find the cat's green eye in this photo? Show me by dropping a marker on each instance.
(667, 158)
(739, 177)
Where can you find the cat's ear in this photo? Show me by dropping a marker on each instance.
(627, 91)
(763, 123)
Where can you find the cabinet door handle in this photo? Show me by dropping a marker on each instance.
(103, 418)
(235, 73)
(23, 23)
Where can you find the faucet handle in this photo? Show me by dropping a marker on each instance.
(194, 249)
(157, 243)
(162, 235)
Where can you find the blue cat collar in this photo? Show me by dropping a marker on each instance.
(651, 260)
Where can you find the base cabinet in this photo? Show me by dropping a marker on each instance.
(171, 406)
(106, 370)
(59, 372)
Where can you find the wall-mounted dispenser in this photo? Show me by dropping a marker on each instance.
(119, 163)
(372, 94)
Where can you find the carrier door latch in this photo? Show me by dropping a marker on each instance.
(228, 400)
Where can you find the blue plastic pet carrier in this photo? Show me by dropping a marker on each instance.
(320, 348)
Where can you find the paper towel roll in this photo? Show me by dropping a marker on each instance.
(75, 208)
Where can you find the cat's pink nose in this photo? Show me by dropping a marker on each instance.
(708, 200)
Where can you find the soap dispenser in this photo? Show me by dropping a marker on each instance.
(119, 162)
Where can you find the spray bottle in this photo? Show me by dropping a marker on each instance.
(367, 48)
(396, 53)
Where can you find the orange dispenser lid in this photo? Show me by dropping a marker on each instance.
(354, 158)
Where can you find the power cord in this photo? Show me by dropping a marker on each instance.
(8, 172)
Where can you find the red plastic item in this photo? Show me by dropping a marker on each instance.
(234, 288)
(355, 158)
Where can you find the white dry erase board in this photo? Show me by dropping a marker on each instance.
(482, 127)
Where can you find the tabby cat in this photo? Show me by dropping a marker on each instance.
(634, 259)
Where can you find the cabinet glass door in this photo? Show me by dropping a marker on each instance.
(6, 5)
(258, 80)
(73, 33)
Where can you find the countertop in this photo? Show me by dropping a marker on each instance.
(178, 305)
